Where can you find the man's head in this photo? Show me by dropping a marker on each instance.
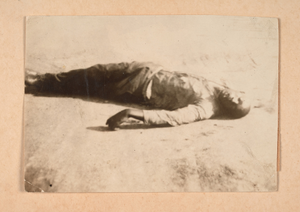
(235, 103)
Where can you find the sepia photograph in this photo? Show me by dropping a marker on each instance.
(185, 103)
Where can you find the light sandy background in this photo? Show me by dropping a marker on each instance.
(68, 147)
(12, 59)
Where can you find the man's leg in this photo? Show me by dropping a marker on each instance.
(93, 81)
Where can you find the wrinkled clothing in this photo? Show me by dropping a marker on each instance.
(183, 98)
(109, 81)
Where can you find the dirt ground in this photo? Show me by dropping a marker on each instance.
(68, 147)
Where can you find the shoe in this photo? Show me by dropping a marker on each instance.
(33, 81)
(32, 78)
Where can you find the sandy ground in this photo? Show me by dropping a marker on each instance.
(68, 148)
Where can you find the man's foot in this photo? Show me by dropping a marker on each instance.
(31, 78)
(33, 81)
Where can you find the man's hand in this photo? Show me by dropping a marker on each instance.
(116, 120)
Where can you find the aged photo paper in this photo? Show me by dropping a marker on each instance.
(184, 145)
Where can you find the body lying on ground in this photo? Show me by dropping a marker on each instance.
(175, 98)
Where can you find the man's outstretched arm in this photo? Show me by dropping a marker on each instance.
(177, 117)
(185, 115)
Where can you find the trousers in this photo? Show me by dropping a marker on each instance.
(127, 81)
